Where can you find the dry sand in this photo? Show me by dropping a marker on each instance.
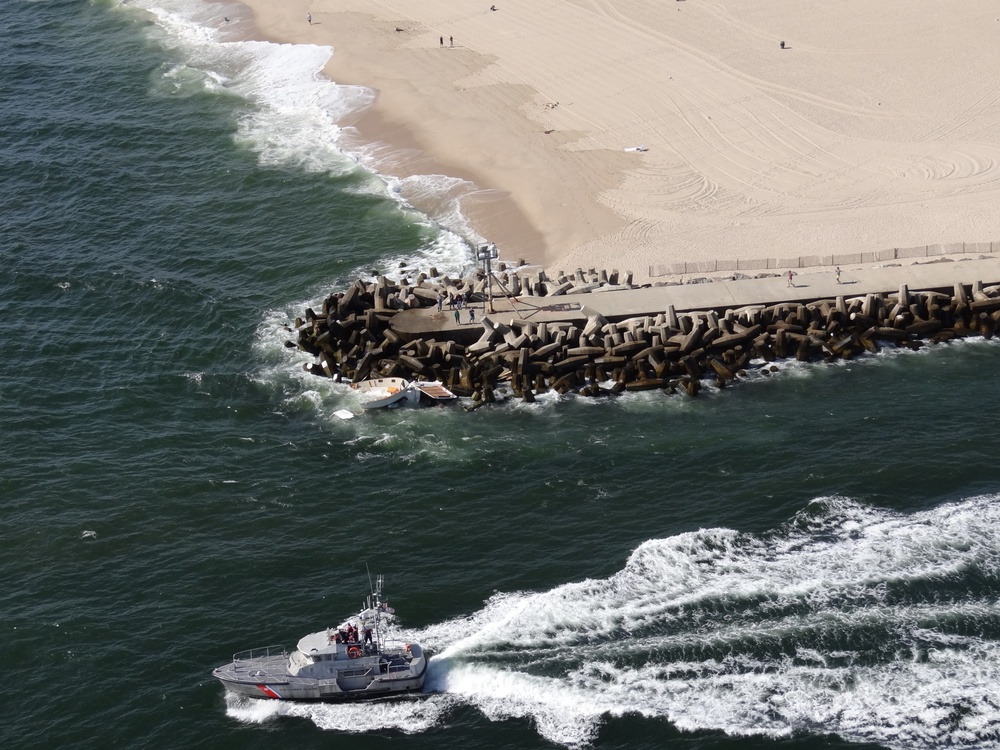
(877, 127)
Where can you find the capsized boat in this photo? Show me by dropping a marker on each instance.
(377, 393)
(354, 660)
(432, 392)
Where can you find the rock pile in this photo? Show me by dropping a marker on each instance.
(353, 337)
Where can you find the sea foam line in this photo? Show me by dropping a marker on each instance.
(294, 115)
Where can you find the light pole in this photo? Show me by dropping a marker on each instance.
(488, 253)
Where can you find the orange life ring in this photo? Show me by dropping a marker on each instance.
(354, 652)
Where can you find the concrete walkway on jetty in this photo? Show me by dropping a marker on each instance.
(715, 295)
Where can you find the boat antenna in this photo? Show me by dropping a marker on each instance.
(369, 578)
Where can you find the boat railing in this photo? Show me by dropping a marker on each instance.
(394, 645)
(262, 652)
(367, 672)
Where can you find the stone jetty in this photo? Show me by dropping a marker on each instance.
(595, 333)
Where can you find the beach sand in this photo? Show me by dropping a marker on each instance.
(877, 126)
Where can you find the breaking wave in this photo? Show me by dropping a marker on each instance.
(289, 113)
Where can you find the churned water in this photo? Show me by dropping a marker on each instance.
(809, 558)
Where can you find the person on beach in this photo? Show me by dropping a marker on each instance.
(442, 40)
(790, 275)
(309, 18)
(451, 41)
(838, 274)
(458, 318)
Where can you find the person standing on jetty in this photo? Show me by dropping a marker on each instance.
(472, 315)
(458, 317)
(440, 301)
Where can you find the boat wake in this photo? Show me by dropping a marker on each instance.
(850, 620)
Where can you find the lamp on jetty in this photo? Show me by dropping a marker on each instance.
(487, 254)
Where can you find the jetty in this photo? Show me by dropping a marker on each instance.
(595, 332)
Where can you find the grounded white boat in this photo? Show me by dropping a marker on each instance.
(354, 660)
(381, 392)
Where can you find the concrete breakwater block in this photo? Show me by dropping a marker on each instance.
(573, 348)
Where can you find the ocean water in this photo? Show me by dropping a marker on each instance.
(806, 559)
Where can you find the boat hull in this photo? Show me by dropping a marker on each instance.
(267, 678)
(316, 694)
(379, 393)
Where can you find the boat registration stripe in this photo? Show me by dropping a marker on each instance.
(269, 692)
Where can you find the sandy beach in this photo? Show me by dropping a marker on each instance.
(876, 126)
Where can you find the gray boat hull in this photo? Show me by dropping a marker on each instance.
(378, 675)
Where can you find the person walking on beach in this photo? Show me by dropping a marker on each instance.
(790, 275)
(838, 274)
(309, 18)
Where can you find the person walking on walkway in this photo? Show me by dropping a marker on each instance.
(790, 275)
(472, 315)
(458, 317)
(309, 18)
(838, 274)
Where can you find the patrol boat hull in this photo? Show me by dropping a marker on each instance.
(367, 676)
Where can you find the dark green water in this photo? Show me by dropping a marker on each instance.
(806, 560)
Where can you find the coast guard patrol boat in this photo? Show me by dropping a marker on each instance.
(354, 660)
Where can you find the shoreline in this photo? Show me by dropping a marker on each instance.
(494, 154)
(747, 156)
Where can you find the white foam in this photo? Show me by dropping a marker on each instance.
(407, 716)
(294, 115)
(850, 620)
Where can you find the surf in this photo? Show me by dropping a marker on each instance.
(850, 619)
